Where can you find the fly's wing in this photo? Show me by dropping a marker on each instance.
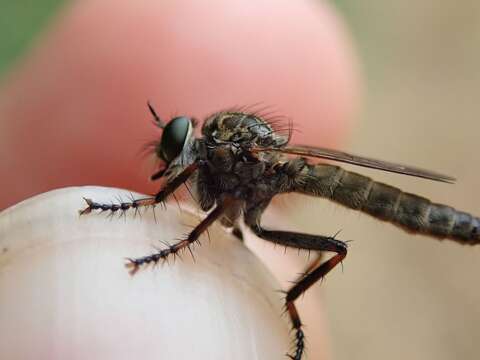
(318, 152)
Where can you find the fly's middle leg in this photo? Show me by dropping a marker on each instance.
(229, 221)
(193, 236)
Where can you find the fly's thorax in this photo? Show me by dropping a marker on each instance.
(230, 166)
(228, 169)
(221, 158)
(241, 128)
(229, 159)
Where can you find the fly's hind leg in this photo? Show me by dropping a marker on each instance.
(159, 198)
(316, 271)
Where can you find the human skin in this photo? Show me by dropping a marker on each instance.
(65, 293)
(74, 110)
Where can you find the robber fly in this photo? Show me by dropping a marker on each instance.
(241, 162)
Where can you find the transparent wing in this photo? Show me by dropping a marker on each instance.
(318, 152)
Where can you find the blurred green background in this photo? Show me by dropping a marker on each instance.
(20, 21)
(400, 296)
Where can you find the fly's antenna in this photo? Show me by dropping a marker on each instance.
(156, 118)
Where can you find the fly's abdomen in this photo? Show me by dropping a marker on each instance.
(412, 212)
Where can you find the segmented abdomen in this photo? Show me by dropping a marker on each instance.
(412, 212)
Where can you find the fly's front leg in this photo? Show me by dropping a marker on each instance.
(314, 272)
(160, 197)
(134, 264)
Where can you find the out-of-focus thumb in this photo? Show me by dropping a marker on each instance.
(65, 293)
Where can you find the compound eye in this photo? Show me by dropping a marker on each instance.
(174, 136)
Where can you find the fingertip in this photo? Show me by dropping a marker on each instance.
(87, 80)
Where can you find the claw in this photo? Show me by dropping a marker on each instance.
(132, 266)
(88, 209)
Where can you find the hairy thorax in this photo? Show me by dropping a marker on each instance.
(230, 167)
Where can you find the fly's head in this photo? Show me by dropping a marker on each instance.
(175, 148)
